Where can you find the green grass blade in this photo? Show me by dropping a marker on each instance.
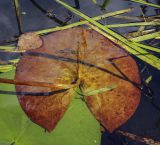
(146, 37)
(99, 91)
(83, 22)
(14, 60)
(7, 47)
(18, 15)
(133, 24)
(147, 47)
(133, 49)
(6, 68)
(10, 49)
(145, 3)
(139, 33)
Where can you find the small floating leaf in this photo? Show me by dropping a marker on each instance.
(94, 1)
(148, 80)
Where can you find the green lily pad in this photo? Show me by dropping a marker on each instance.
(77, 127)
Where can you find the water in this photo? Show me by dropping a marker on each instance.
(146, 120)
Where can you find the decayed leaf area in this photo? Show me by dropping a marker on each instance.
(71, 59)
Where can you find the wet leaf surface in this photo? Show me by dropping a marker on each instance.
(89, 60)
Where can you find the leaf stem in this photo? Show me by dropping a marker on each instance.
(38, 84)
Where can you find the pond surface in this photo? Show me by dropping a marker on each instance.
(146, 120)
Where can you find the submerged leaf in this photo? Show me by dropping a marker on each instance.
(89, 60)
(148, 80)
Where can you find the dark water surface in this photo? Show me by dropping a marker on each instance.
(146, 120)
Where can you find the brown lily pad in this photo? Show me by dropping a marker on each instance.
(84, 58)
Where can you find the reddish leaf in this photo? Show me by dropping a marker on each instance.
(88, 59)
